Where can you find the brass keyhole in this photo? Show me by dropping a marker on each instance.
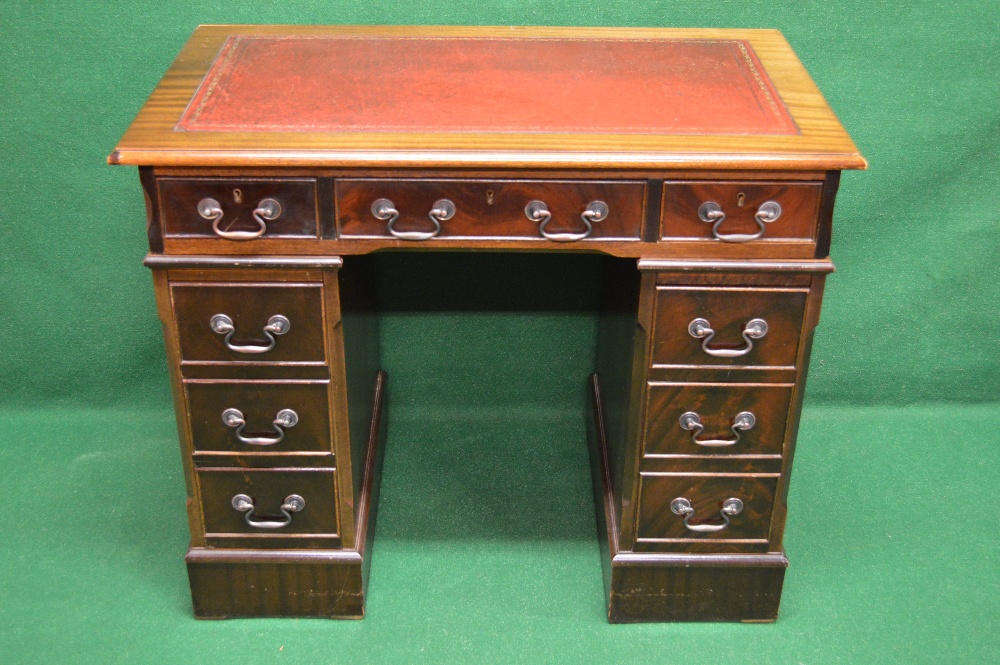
(741, 198)
(489, 197)
(237, 196)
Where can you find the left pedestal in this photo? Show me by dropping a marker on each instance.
(279, 404)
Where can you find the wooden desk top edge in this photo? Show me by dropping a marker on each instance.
(822, 143)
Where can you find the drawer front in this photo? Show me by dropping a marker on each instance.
(741, 204)
(252, 330)
(716, 419)
(491, 209)
(242, 210)
(721, 326)
(268, 491)
(259, 417)
(661, 521)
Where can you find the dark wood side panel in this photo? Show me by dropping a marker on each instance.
(166, 313)
(830, 187)
(359, 322)
(619, 338)
(491, 208)
(367, 513)
(798, 395)
(606, 506)
(154, 230)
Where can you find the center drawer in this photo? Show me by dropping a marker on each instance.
(563, 210)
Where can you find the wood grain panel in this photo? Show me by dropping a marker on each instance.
(491, 208)
(227, 584)
(717, 405)
(678, 591)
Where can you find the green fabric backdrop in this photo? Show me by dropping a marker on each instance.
(891, 534)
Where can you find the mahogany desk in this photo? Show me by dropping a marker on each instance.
(702, 164)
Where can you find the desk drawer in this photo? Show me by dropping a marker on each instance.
(239, 209)
(786, 211)
(258, 322)
(259, 417)
(262, 502)
(721, 326)
(716, 419)
(491, 209)
(714, 522)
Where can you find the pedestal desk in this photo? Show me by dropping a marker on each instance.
(698, 166)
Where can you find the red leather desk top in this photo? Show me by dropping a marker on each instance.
(486, 84)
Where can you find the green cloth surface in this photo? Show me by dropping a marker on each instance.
(890, 534)
(486, 547)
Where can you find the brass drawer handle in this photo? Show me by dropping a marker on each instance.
(293, 503)
(537, 211)
(712, 212)
(702, 329)
(691, 422)
(730, 507)
(284, 419)
(276, 325)
(441, 211)
(267, 210)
